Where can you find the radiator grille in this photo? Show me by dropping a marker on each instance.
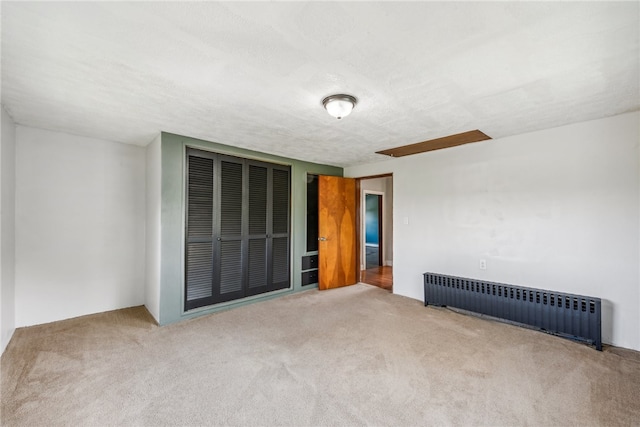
(572, 316)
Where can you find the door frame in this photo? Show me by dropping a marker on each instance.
(381, 227)
(360, 219)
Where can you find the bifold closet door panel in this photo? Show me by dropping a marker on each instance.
(199, 232)
(258, 229)
(280, 256)
(228, 259)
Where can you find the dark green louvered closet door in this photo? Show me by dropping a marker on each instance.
(237, 228)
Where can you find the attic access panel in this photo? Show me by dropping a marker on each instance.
(436, 144)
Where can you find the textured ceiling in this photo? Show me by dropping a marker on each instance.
(253, 75)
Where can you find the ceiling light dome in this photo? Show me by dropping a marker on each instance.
(339, 106)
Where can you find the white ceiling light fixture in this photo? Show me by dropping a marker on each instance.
(339, 106)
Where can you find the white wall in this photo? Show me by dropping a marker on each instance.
(382, 185)
(556, 209)
(80, 226)
(153, 229)
(7, 229)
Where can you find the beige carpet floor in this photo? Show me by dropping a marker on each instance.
(352, 356)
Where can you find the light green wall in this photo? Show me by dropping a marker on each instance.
(172, 221)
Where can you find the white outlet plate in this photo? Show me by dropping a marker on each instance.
(483, 264)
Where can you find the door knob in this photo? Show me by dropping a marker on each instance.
(322, 239)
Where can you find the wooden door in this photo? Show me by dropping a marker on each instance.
(337, 232)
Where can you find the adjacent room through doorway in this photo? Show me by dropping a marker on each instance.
(373, 230)
(376, 244)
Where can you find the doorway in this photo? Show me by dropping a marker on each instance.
(376, 231)
(333, 201)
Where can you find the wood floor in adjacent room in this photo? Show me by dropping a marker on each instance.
(357, 355)
(381, 277)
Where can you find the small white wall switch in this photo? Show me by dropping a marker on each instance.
(483, 264)
(405, 220)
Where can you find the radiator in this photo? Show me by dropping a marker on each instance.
(576, 317)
